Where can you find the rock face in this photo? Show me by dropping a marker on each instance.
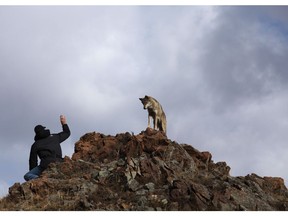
(143, 172)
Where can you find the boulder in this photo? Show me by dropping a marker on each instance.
(143, 172)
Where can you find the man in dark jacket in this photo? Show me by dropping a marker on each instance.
(47, 148)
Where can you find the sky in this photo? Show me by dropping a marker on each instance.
(220, 73)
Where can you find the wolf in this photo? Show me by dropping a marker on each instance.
(156, 112)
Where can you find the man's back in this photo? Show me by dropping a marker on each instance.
(48, 149)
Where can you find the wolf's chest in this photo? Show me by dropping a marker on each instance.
(152, 112)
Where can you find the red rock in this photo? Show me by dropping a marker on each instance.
(143, 172)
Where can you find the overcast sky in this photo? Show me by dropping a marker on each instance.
(219, 72)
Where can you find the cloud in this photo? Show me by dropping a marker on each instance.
(3, 189)
(219, 73)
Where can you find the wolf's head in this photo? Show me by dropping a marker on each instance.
(145, 101)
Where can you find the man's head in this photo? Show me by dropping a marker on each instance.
(39, 128)
(41, 132)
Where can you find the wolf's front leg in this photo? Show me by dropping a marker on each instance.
(155, 123)
(148, 121)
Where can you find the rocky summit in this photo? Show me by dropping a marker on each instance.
(143, 172)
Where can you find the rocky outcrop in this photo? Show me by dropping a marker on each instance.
(143, 172)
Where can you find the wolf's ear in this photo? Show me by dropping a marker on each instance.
(146, 96)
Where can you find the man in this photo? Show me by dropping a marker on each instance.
(47, 148)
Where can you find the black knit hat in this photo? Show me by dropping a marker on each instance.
(39, 128)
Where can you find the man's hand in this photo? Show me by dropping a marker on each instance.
(63, 119)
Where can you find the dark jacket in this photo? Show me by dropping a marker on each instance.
(47, 148)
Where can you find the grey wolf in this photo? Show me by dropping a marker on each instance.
(156, 112)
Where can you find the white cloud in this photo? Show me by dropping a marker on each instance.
(3, 189)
